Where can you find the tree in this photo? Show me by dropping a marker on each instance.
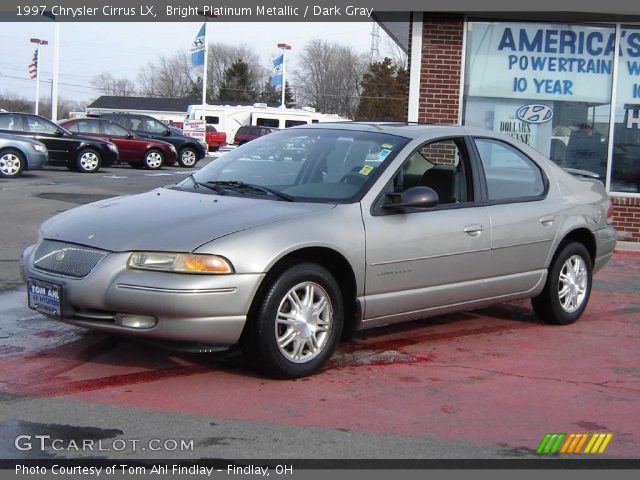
(222, 56)
(328, 77)
(168, 76)
(384, 92)
(237, 83)
(273, 95)
(108, 85)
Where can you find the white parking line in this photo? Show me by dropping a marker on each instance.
(159, 174)
(188, 172)
(113, 176)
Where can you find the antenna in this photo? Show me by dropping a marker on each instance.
(374, 55)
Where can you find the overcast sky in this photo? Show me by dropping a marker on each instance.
(88, 49)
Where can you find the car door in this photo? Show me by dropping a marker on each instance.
(524, 217)
(127, 144)
(418, 260)
(50, 134)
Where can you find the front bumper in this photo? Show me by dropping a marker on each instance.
(37, 160)
(201, 309)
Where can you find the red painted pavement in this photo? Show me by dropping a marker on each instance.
(493, 376)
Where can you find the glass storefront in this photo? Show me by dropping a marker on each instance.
(551, 86)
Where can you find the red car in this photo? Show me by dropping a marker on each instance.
(137, 151)
(214, 138)
(247, 133)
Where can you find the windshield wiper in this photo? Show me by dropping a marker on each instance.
(210, 186)
(250, 186)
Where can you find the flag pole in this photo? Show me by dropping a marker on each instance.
(38, 42)
(37, 77)
(206, 63)
(284, 48)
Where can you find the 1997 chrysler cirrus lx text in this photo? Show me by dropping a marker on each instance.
(290, 242)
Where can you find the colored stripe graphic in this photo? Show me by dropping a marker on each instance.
(550, 443)
(572, 443)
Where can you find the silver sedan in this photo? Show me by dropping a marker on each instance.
(300, 238)
(18, 154)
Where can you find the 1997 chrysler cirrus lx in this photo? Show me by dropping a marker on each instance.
(308, 234)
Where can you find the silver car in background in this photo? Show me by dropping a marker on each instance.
(299, 238)
(18, 154)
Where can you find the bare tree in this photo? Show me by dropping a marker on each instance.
(328, 77)
(108, 85)
(396, 53)
(168, 76)
(222, 56)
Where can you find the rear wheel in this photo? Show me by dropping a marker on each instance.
(297, 323)
(12, 163)
(188, 157)
(153, 159)
(88, 161)
(566, 292)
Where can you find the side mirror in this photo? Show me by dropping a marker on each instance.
(168, 132)
(129, 135)
(58, 132)
(415, 197)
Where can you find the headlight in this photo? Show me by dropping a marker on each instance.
(179, 262)
(172, 148)
(112, 147)
(39, 148)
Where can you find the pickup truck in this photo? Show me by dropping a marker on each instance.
(215, 139)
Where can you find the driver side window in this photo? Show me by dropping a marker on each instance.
(440, 165)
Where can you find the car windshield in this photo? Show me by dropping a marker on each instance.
(302, 164)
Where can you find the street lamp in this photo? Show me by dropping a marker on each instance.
(284, 47)
(38, 42)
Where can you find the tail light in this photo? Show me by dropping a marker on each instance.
(610, 214)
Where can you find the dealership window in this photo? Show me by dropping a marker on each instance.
(546, 84)
(625, 161)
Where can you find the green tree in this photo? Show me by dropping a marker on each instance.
(384, 92)
(272, 95)
(237, 84)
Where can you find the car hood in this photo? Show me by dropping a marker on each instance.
(168, 220)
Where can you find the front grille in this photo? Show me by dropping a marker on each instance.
(67, 259)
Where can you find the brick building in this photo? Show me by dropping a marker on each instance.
(569, 88)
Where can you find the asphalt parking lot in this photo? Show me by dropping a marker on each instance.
(483, 384)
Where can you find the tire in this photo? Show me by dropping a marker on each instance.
(153, 159)
(88, 160)
(570, 272)
(188, 157)
(286, 338)
(12, 163)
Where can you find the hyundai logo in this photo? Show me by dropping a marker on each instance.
(59, 255)
(534, 113)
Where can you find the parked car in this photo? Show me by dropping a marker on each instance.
(214, 138)
(18, 154)
(246, 133)
(375, 224)
(189, 149)
(76, 152)
(137, 151)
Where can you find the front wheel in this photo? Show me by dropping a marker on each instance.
(153, 159)
(12, 163)
(566, 292)
(88, 161)
(188, 157)
(296, 324)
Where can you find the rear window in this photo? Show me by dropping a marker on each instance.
(8, 121)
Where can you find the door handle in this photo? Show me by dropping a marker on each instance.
(473, 230)
(546, 221)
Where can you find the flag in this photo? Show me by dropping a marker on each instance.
(33, 66)
(276, 78)
(197, 49)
